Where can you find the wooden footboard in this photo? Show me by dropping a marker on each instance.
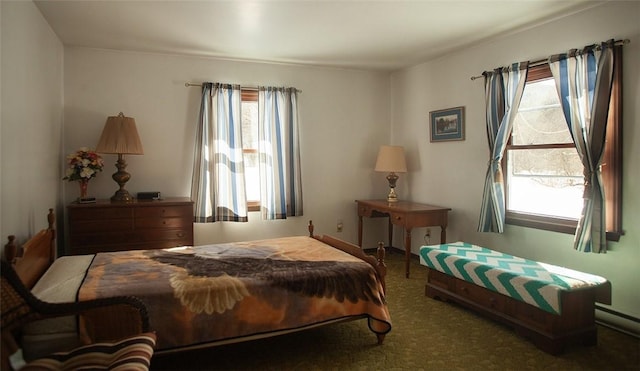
(377, 262)
(549, 332)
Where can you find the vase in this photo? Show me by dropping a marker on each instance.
(84, 187)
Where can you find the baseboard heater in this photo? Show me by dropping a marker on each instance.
(620, 315)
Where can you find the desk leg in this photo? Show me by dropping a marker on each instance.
(443, 233)
(407, 250)
(360, 230)
(390, 233)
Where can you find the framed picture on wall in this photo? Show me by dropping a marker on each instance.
(447, 124)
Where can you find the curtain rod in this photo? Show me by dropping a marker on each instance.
(190, 84)
(543, 61)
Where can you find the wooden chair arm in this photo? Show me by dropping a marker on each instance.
(102, 319)
(105, 319)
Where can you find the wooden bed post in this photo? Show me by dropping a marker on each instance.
(51, 219)
(311, 228)
(11, 250)
(382, 267)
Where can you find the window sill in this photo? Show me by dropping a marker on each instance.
(253, 206)
(542, 222)
(546, 223)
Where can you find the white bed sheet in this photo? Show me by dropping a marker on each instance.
(59, 284)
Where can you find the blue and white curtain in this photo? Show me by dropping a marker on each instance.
(218, 186)
(279, 151)
(503, 92)
(583, 80)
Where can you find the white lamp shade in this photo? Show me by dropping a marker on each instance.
(391, 160)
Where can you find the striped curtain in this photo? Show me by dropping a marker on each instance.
(583, 80)
(503, 91)
(279, 151)
(217, 186)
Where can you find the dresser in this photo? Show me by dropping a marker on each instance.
(141, 224)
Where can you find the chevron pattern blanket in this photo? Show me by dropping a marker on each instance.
(535, 283)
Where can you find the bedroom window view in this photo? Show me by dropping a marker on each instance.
(544, 172)
(250, 147)
(544, 180)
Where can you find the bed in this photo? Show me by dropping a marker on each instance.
(200, 296)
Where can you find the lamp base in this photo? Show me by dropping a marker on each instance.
(122, 195)
(121, 177)
(392, 178)
(392, 197)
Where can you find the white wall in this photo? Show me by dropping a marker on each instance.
(452, 173)
(31, 128)
(344, 117)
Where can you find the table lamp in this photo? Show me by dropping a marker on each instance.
(120, 137)
(391, 160)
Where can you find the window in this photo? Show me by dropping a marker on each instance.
(214, 187)
(250, 147)
(543, 173)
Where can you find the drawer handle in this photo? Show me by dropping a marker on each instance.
(180, 234)
(463, 289)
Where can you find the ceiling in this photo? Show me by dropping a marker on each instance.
(382, 35)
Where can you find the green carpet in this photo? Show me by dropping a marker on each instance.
(427, 335)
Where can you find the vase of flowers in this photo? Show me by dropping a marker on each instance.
(82, 165)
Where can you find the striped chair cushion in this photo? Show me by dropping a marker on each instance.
(133, 353)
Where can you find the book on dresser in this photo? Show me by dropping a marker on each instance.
(141, 224)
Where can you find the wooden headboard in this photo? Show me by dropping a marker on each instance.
(36, 255)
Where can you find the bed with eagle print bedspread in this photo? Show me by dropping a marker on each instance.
(226, 292)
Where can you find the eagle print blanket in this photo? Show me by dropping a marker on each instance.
(226, 292)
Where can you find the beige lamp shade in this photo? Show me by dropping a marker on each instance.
(391, 160)
(120, 136)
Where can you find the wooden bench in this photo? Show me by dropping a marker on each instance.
(552, 306)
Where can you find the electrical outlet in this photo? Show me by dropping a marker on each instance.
(339, 226)
(428, 233)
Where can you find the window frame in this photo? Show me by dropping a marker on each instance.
(250, 95)
(611, 163)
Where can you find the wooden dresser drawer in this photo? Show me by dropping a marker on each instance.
(106, 226)
(534, 316)
(183, 211)
(84, 226)
(441, 280)
(480, 295)
(181, 234)
(120, 238)
(144, 223)
(100, 213)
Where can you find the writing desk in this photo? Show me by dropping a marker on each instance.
(407, 215)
